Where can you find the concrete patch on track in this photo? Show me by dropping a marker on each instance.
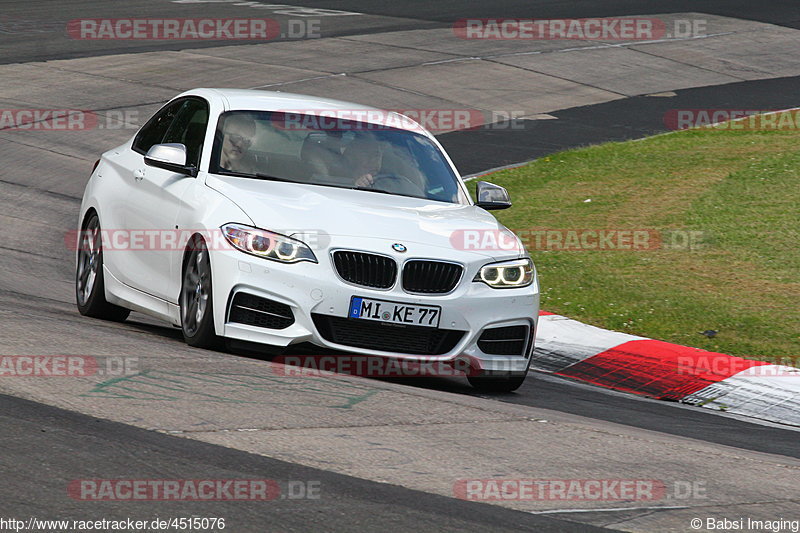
(633, 72)
(44, 85)
(181, 71)
(489, 85)
(173, 386)
(333, 55)
(769, 52)
(423, 69)
(728, 50)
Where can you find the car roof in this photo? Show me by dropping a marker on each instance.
(253, 99)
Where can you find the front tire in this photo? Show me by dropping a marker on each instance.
(196, 300)
(90, 291)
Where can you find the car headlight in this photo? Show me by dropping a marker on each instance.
(266, 244)
(508, 274)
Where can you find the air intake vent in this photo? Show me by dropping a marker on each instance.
(509, 340)
(430, 277)
(260, 312)
(367, 270)
(394, 338)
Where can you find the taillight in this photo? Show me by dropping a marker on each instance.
(95, 166)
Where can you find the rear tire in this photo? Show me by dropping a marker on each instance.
(90, 291)
(196, 299)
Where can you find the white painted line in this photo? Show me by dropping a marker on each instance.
(326, 76)
(453, 60)
(607, 510)
(496, 169)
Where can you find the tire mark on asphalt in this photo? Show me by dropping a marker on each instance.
(183, 386)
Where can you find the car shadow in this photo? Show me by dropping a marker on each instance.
(452, 384)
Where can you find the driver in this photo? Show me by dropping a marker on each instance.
(364, 158)
(238, 133)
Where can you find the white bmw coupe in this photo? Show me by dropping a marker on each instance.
(277, 219)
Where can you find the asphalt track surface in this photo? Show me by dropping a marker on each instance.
(66, 442)
(558, 394)
(38, 34)
(618, 120)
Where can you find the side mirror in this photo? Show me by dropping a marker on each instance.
(491, 196)
(171, 157)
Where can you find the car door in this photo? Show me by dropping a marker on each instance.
(154, 197)
(121, 179)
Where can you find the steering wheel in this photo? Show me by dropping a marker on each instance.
(396, 179)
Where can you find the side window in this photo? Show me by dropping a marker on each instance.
(189, 129)
(156, 127)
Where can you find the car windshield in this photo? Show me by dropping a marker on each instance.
(332, 152)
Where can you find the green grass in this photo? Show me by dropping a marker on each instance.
(741, 189)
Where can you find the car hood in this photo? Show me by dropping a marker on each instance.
(293, 208)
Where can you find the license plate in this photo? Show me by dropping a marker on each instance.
(395, 312)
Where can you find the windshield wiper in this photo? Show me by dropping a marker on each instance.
(370, 189)
(256, 175)
(384, 191)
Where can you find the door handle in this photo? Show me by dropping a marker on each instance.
(138, 174)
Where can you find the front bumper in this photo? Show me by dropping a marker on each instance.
(316, 289)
